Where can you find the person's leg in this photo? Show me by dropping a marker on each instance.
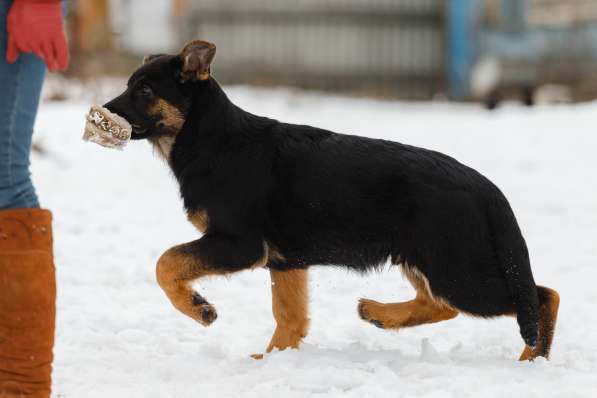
(21, 84)
(27, 281)
(27, 303)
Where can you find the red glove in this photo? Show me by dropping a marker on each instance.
(35, 26)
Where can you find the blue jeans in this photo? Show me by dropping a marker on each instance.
(20, 88)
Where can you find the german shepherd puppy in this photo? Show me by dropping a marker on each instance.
(269, 194)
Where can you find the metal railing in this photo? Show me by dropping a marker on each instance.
(380, 47)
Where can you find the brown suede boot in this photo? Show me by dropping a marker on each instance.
(27, 303)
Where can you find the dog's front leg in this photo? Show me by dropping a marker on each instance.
(180, 265)
(290, 305)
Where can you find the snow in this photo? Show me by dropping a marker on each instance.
(116, 212)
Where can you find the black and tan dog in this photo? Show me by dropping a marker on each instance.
(285, 197)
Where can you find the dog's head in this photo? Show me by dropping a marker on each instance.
(158, 95)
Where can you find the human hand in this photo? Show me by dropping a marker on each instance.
(35, 26)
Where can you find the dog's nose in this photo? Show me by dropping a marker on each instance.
(110, 106)
(116, 105)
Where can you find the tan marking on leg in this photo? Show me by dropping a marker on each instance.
(175, 272)
(425, 308)
(527, 354)
(398, 315)
(199, 219)
(420, 283)
(275, 254)
(549, 303)
(290, 303)
(262, 262)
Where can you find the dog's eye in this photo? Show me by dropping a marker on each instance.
(145, 90)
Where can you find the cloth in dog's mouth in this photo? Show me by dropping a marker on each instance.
(106, 128)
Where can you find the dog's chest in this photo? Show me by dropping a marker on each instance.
(163, 146)
(199, 219)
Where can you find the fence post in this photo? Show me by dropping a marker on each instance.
(460, 23)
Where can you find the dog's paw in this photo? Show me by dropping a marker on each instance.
(365, 308)
(206, 313)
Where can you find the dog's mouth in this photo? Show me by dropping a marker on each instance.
(138, 129)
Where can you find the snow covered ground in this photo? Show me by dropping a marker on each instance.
(116, 212)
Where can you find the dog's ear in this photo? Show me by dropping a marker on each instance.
(196, 59)
(151, 57)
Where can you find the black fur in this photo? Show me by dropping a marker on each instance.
(322, 198)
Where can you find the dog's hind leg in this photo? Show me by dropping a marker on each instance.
(419, 311)
(180, 265)
(290, 305)
(425, 308)
(549, 302)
